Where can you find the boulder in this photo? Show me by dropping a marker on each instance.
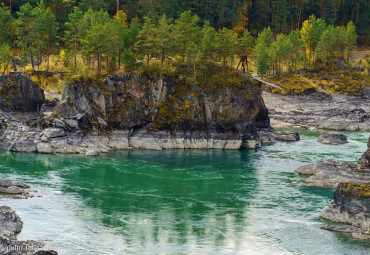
(332, 138)
(287, 136)
(92, 153)
(53, 132)
(10, 223)
(44, 147)
(23, 146)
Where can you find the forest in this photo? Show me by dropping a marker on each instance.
(92, 36)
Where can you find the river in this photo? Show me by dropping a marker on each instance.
(181, 201)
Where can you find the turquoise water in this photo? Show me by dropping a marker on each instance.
(181, 202)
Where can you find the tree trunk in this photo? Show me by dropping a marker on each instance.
(195, 72)
(75, 53)
(107, 62)
(147, 60)
(300, 13)
(162, 59)
(33, 65)
(119, 58)
(10, 7)
(48, 62)
(348, 55)
(117, 6)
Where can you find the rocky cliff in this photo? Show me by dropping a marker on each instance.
(124, 111)
(19, 93)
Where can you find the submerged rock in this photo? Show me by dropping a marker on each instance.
(332, 138)
(351, 206)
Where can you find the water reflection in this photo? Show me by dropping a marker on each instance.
(184, 198)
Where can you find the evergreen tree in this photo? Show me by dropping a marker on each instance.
(261, 57)
(207, 44)
(295, 52)
(28, 34)
(6, 23)
(326, 44)
(226, 42)
(146, 44)
(310, 34)
(350, 38)
(162, 38)
(186, 31)
(49, 29)
(74, 31)
(5, 56)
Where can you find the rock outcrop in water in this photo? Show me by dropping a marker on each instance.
(332, 172)
(351, 206)
(13, 189)
(333, 138)
(128, 111)
(11, 225)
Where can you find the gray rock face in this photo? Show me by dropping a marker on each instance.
(19, 93)
(332, 172)
(317, 111)
(332, 138)
(10, 223)
(351, 206)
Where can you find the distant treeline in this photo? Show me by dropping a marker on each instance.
(94, 34)
(281, 15)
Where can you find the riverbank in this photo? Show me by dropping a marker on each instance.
(318, 111)
(181, 201)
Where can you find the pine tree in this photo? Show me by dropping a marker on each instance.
(295, 52)
(350, 38)
(28, 34)
(73, 33)
(186, 31)
(49, 29)
(226, 42)
(310, 34)
(5, 56)
(261, 57)
(207, 44)
(326, 44)
(162, 38)
(119, 29)
(145, 44)
(6, 23)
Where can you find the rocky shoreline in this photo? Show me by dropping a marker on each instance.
(318, 111)
(11, 224)
(130, 111)
(351, 203)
